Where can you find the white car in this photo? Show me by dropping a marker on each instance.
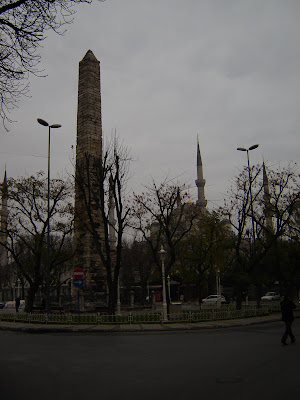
(12, 304)
(270, 296)
(213, 299)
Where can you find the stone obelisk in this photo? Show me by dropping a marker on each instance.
(88, 161)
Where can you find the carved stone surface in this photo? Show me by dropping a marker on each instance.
(88, 160)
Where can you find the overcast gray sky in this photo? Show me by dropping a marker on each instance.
(225, 70)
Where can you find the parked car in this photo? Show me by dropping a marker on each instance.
(270, 296)
(213, 299)
(2, 305)
(12, 304)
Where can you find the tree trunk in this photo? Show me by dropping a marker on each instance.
(112, 299)
(31, 297)
(144, 293)
(239, 299)
(258, 295)
(199, 288)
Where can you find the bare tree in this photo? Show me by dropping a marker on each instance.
(163, 217)
(251, 247)
(23, 25)
(137, 267)
(101, 186)
(204, 250)
(27, 227)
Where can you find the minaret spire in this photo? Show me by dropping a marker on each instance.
(200, 181)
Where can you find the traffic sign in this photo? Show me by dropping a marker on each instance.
(78, 273)
(78, 283)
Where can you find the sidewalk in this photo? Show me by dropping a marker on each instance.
(164, 327)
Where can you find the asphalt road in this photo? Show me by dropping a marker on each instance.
(234, 363)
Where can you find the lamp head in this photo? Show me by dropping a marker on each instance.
(42, 122)
(55, 126)
(162, 253)
(241, 149)
(255, 146)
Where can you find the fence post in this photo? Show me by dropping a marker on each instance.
(98, 318)
(130, 318)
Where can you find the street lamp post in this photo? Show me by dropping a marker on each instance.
(255, 146)
(218, 285)
(44, 123)
(162, 253)
(169, 286)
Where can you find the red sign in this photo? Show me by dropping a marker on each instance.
(78, 273)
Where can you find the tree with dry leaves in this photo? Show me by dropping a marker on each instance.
(163, 217)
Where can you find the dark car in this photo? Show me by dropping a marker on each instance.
(2, 305)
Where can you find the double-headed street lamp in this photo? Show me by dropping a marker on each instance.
(163, 253)
(44, 123)
(255, 146)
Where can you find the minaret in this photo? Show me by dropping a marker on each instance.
(267, 202)
(200, 182)
(88, 160)
(3, 222)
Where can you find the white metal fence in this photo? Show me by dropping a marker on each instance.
(197, 315)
